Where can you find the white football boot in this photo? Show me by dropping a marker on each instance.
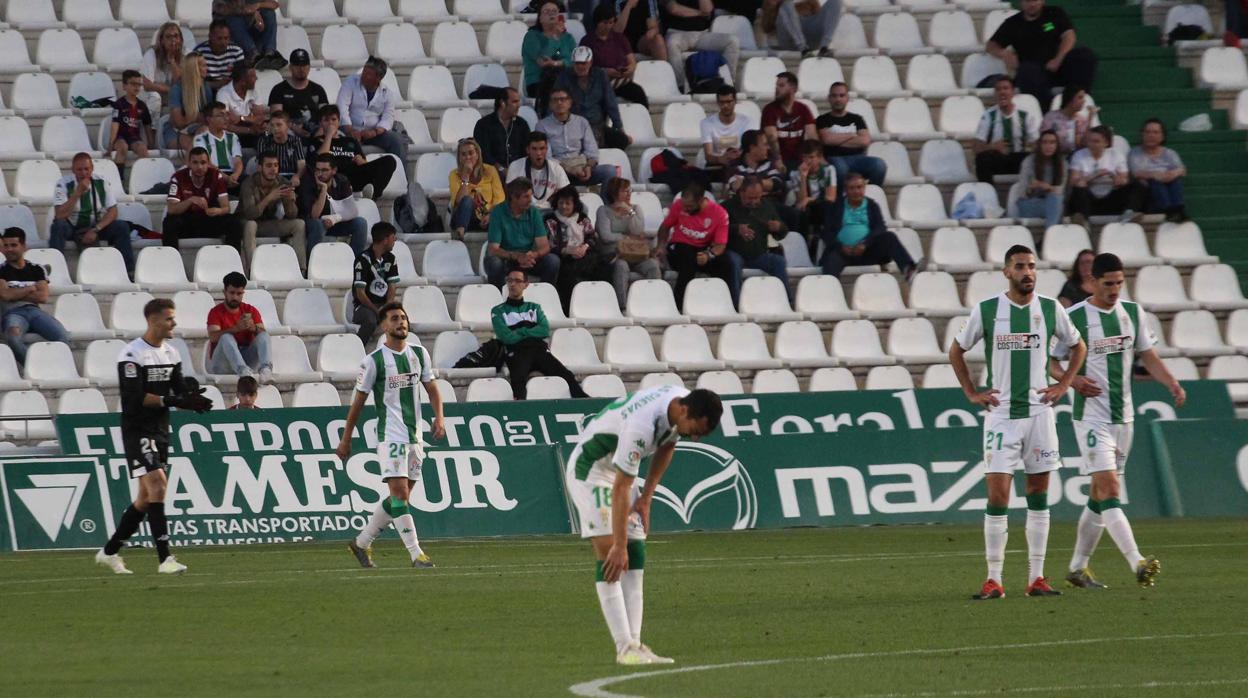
(112, 562)
(632, 656)
(171, 566)
(654, 658)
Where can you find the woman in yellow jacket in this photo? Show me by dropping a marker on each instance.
(475, 190)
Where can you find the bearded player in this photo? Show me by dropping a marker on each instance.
(614, 509)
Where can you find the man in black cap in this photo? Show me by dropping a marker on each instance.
(299, 97)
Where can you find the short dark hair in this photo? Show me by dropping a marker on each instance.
(240, 70)
(156, 306)
(694, 189)
(382, 230)
(518, 186)
(811, 146)
(234, 279)
(326, 157)
(1104, 132)
(838, 83)
(217, 24)
(1002, 77)
(328, 110)
(278, 114)
(1017, 249)
(537, 137)
(750, 181)
(265, 156)
(704, 404)
(726, 91)
(500, 100)
(248, 385)
(855, 176)
(556, 90)
(81, 156)
(387, 307)
(128, 75)
(197, 150)
(14, 232)
(788, 76)
(1104, 263)
(213, 106)
(750, 138)
(1070, 92)
(1160, 124)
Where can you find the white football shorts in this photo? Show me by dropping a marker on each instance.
(400, 459)
(1029, 443)
(1104, 446)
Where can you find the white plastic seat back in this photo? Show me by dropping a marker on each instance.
(832, 379)
(1063, 242)
(213, 262)
(889, 378)
(721, 382)
(875, 74)
(775, 380)
(605, 385)
(944, 161)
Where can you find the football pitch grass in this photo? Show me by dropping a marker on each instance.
(832, 612)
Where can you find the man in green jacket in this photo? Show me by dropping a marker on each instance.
(522, 328)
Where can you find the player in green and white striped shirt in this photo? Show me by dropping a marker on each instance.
(1115, 332)
(1018, 327)
(614, 509)
(393, 375)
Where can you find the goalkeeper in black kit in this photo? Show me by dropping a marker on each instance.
(150, 371)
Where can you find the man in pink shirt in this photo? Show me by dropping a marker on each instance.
(693, 238)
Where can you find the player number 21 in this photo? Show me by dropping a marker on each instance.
(998, 435)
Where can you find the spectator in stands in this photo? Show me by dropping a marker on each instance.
(612, 53)
(247, 390)
(328, 208)
(593, 98)
(162, 66)
(253, 27)
(813, 183)
(1043, 175)
(845, 139)
(198, 205)
(237, 340)
(268, 208)
(187, 100)
(1004, 135)
(522, 328)
(787, 122)
(572, 141)
(854, 234)
(502, 134)
(545, 176)
(546, 50)
(1069, 121)
(475, 190)
(755, 163)
(224, 149)
(639, 22)
(366, 109)
(721, 134)
(572, 236)
(1236, 13)
(131, 128)
(801, 25)
(693, 238)
(84, 209)
(1099, 181)
(1080, 284)
(23, 286)
(753, 223)
(1044, 55)
(220, 54)
(517, 238)
(299, 97)
(288, 148)
(245, 115)
(688, 25)
(376, 280)
(1161, 170)
(620, 222)
(367, 177)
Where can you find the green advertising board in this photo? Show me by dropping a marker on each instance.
(1207, 463)
(778, 460)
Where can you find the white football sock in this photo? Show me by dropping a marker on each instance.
(376, 524)
(1120, 530)
(1087, 536)
(1037, 542)
(614, 610)
(996, 533)
(406, 527)
(631, 582)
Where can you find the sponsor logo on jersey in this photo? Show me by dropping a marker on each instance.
(1112, 345)
(132, 370)
(159, 374)
(399, 381)
(1021, 341)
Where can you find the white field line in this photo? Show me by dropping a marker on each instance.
(597, 688)
(1080, 688)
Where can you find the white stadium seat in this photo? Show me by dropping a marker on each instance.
(32, 14)
(935, 294)
(877, 76)
(921, 206)
(213, 262)
(1216, 287)
(607, 385)
(686, 348)
(766, 299)
(708, 301)
(308, 311)
(832, 379)
(651, 302)
(575, 348)
(474, 304)
(1181, 244)
(931, 75)
(426, 309)
(455, 43)
(447, 262)
(82, 401)
(816, 74)
(721, 382)
(1196, 333)
(800, 344)
(629, 349)
(88, 14)
(547, 388)
(878, 296)
(1063, 242)
(503, 41)
(744, 346)
(594, 304)
(99, 363)
(889, 378)
(1001, 238)
(1128, 241)
(898, 33)
(651, 380)
(913, 341)
(953, 32)
(342, 46)
(50, 366)
(160, 270)
(681, 122)
(960, 114)
(103, 270)
(61, 50)
(944, 162)
(290, 361)
(276, 267)
(1159, 288)
(857, 343)
(193, 308)
(25, 403)
(339, 356)
(79, 313)
(267, 307)
(331, 265)
(775, 380)
(955, 249)
(318, 394)
(822, 299)
(117, 49)
(55, 267)
(1223, 68)
(978, 66)
(940, 376)
(758, 76)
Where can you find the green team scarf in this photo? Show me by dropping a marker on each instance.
(90, 205)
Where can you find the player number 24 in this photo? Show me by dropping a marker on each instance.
(396, 450)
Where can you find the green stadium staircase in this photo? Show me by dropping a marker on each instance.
(1138, 78)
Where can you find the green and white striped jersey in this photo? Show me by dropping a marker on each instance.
(1113, 337)
(1017, 341)
(625, 432)
(394, 379)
